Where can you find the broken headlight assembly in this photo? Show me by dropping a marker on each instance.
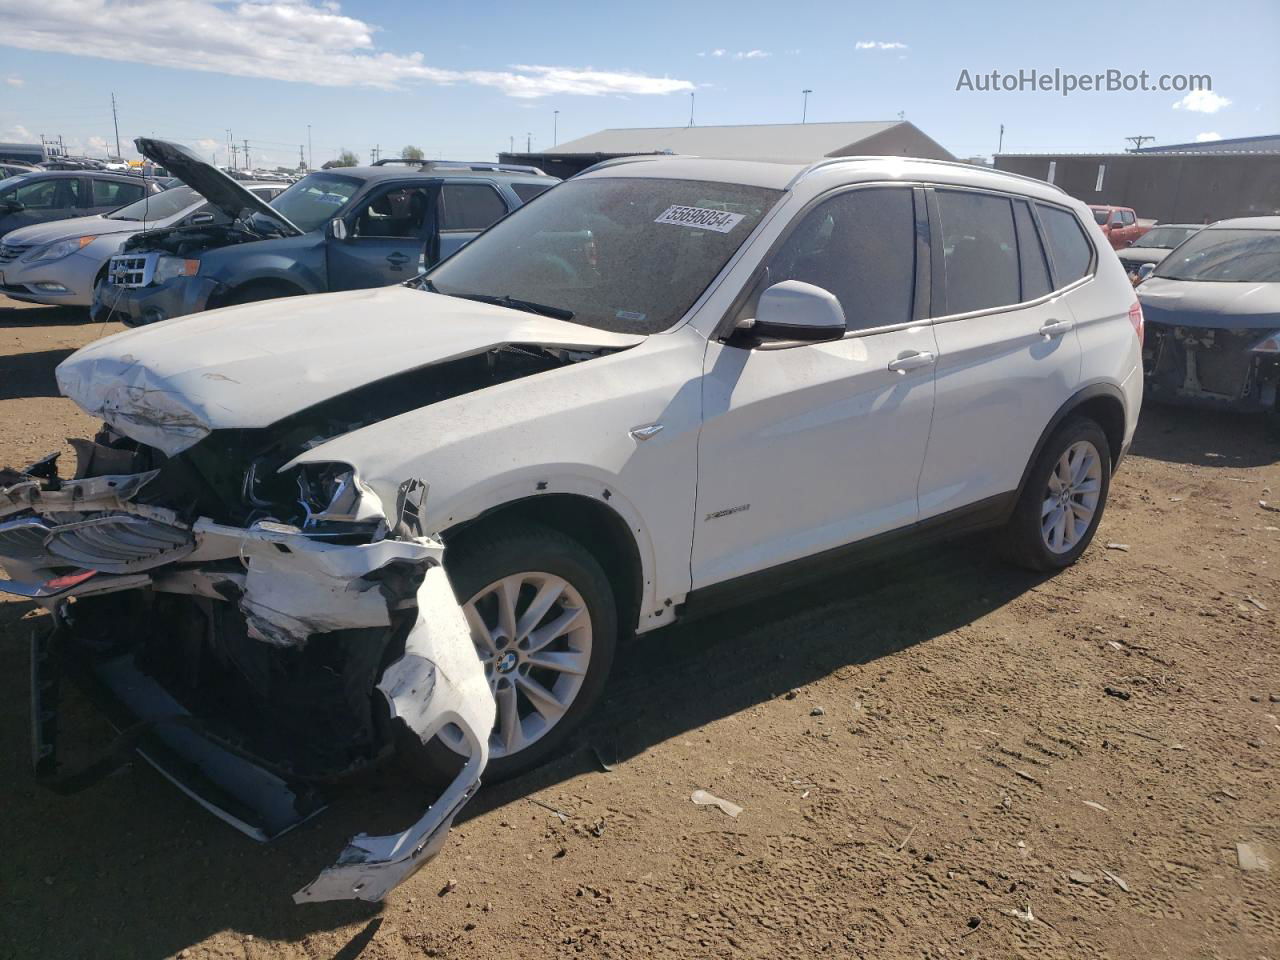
(335, 500)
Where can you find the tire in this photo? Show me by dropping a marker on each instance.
(1031, 539)
(253, 292)
(476, 564)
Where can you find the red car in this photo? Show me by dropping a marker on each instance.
(1120, 224)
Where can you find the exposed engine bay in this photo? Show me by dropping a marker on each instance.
(190, 240)
(1205, 366)
(262, 631)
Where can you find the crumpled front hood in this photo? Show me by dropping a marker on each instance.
(1198, 303)
(170, 384)
(40, 234)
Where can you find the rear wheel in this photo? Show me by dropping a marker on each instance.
(544, 622)
(1062, 503)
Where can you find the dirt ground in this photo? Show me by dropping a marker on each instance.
(1002, 765)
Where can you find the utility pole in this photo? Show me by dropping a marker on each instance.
(528, 143)
(1000, 148)
(804, 110)
(1138, 142)
(512, 147)
(311, 160)
(232, 155)
(302, 160)
(691, 102)
(555, 128)
(116, 120)
(231, 149)
(247, 164)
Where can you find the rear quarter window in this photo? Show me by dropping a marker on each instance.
(1070, 249)
(527, 191)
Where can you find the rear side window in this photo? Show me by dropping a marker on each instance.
(112, 193)
(979, 251)
(1035, 269)
(470, 206)
(1070, 249)
(527, 191)
(861, 247)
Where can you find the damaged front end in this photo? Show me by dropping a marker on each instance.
(252, 655)
(1230, 369)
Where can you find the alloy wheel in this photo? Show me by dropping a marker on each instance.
(1071, 497)
(532, 632)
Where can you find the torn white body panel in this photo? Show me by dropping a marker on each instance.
(438, 681)
(261, 362)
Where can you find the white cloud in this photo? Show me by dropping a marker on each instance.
(14, 81)
(719, 52)
(752, 54)
(879, 45)
(1202, 101)
(19, 134)
(301, 41)
(1208, 137)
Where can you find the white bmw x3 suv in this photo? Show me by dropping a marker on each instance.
(665, 385)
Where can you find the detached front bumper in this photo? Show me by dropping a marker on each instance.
(137, 306)
(375, 626)
(1209, 368)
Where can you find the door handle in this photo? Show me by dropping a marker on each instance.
(397, 259)
(1055, 328)
(912, 361)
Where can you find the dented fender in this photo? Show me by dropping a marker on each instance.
(438, 681)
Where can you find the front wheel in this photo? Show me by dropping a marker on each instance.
(545, 625)
(1062, 503)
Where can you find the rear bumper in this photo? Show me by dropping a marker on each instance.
(136, 306)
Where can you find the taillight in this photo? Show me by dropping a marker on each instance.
(1135, 317)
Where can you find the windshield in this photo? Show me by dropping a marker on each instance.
(1165, 238)
(315, 199)
(629, 255)
(1100, 216)
(1229, 256)
(158, 206)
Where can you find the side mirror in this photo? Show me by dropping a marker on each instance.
(338, 229)
(795, 310)
(1146, 270)
(14, 206)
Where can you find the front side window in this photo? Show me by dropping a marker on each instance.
(979, 251)
(1226, 256)
(627, 254)
(1070, 249)
(113, 193)
(61, 193)
(470, 206)
(398, 213)
(316, 199)
(861, 247)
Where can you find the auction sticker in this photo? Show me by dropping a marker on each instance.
(700, 217)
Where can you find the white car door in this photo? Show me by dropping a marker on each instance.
(807, 447)
(1008, 354)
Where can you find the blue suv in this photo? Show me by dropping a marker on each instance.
(340, 229)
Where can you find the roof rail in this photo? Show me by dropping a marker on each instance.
(958, 164)
(479, 165)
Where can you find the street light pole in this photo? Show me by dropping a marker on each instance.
(555, 128)
(692, 100)
(311, 160)
(804, 110)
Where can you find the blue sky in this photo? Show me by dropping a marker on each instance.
(464, 80)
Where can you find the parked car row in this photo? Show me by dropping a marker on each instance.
(46, 195)
(417, 520)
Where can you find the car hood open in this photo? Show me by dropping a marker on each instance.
(210, 182)
(1204, 303)
(171, 384)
